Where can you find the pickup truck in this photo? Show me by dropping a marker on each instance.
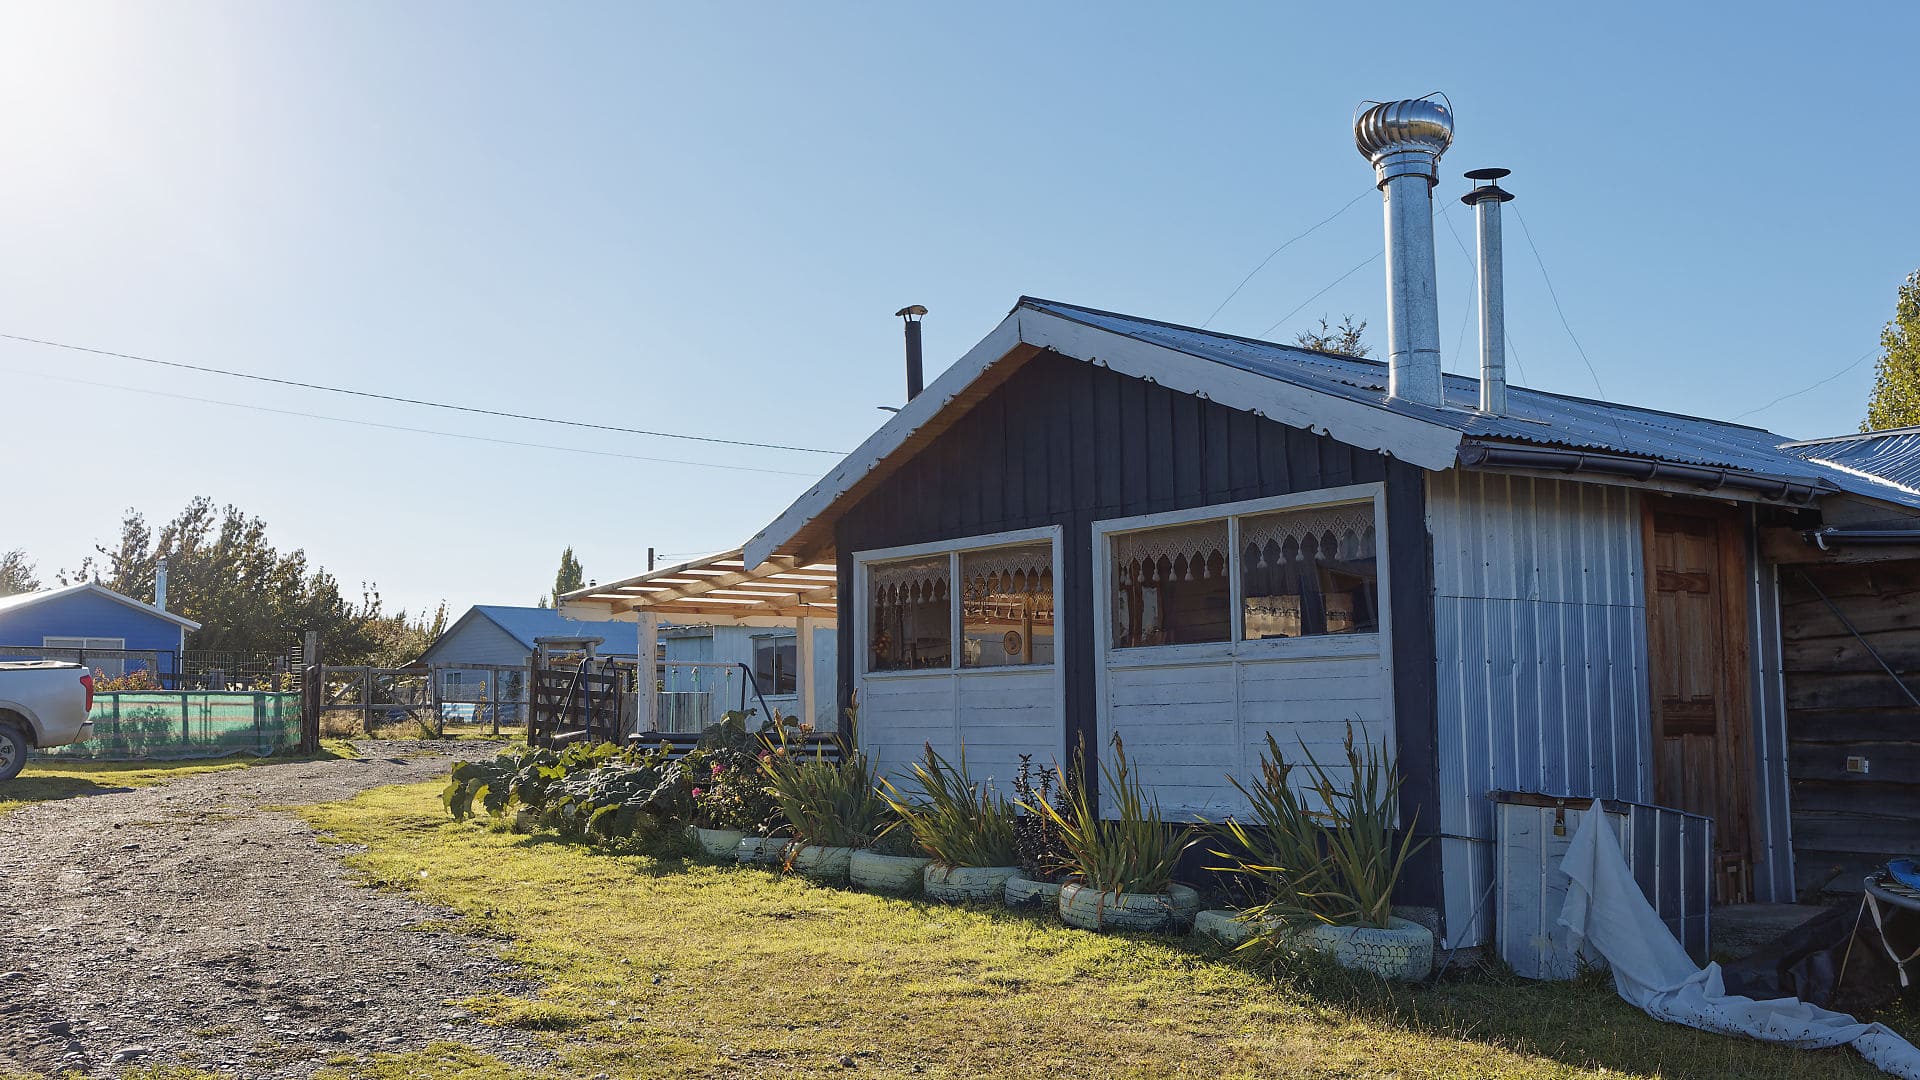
(42, 703)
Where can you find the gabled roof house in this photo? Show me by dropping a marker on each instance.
(1096, 525)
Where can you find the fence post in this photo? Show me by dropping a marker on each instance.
(533, 696)
(312, 692)
(186, 729)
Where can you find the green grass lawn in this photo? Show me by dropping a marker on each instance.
(47, 778)
(663, 968)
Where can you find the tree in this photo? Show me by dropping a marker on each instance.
(1896, 384)
(569, 578)
(248, 596)
(1344, 338)
(16, 573)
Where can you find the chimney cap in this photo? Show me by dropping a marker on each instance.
(911, 311)
(1406, 136)
(1491, 189)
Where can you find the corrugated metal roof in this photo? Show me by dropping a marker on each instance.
(526, 624)
(1540, 418)
(1892, 455)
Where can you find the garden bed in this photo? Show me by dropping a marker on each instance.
(666, 968)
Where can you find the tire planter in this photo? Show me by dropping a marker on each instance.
(1025, 893)
(762, 851)
(967, 884)
(719, 843)
(1222, 926)
(1090, 909)
(823, 864)
(1404, 950)
(897, 874)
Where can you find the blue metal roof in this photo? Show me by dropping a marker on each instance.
(1892, 455)
(525, 624)
(1545, 419)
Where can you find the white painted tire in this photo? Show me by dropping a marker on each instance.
(1404, 950)
(896, 874)
(762, 851)
(719, 843)
(827, 865)
(1223, 926)
(1090, 909)
(1024, 893)
(967, 884)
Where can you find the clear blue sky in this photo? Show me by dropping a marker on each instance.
(701, 217)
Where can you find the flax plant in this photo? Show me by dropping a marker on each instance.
(957, 822)
(1324, 851)
(1134, 853)
(828, 803)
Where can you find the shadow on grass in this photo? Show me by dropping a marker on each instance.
(36, 789)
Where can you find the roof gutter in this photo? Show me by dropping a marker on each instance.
(1484, 455)
(1833, 536)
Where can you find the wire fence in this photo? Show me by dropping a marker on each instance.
(185, 725)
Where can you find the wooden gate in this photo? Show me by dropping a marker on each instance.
(1698, 651)
(570, 704)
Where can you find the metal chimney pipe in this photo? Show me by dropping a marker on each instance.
(160, 584)
(916, 378)
(1485, 198)
(1404, 141)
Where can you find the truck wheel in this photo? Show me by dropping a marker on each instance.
(13, 751)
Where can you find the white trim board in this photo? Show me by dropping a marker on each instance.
(1370, 427)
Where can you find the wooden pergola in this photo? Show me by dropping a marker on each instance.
(721, 589)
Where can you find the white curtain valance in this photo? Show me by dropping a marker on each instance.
(1344, 532)
(908, 582)
(1178, 553)
(1008, 570)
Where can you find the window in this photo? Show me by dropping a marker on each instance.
(776, 665)
(998, 599)
(83, 650)
(1170, 586)
(1307, 572)
(1006, 606)
(911, 622)
(1302, 573)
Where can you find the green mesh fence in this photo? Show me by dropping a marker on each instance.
(162, 726)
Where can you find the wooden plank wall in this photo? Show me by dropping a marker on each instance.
(1068, 443)
(1841, 704)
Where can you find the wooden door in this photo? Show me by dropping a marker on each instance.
(1698, 658)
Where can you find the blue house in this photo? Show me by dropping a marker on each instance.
(109, 632)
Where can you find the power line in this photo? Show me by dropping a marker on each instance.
(1276, 251)
(1528, 233)
(401, 427)
(1322, 292)
(1805, 390)
(412, 401)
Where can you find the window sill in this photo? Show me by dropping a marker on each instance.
(1320, 647)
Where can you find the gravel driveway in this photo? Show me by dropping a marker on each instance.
(185, 923)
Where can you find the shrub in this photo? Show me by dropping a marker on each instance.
(958, 822)
(1338, 864)
(828, 803)
(520, 777)
(1043, 856)
(1136, 852)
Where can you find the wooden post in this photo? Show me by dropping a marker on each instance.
(533, 693)
(646, 676)
(803, 661)
(366, 700)
(312, 692)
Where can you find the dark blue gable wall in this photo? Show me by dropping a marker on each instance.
(1068, 443)
(92, 615)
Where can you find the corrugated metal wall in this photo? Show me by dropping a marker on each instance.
(1540, 659)
(1772, 832)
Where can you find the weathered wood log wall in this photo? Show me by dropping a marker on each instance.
(1842, 704)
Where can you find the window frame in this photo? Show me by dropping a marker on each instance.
(1237, 644)
(952, 549)
(774, 641)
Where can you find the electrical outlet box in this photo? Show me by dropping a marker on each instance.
(1857, 764)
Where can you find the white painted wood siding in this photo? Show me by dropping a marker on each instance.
(997, 715)
(1187, 727)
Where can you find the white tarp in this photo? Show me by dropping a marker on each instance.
(1607, 911)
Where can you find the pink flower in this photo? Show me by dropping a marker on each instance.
(716, 768)
(696, 793)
